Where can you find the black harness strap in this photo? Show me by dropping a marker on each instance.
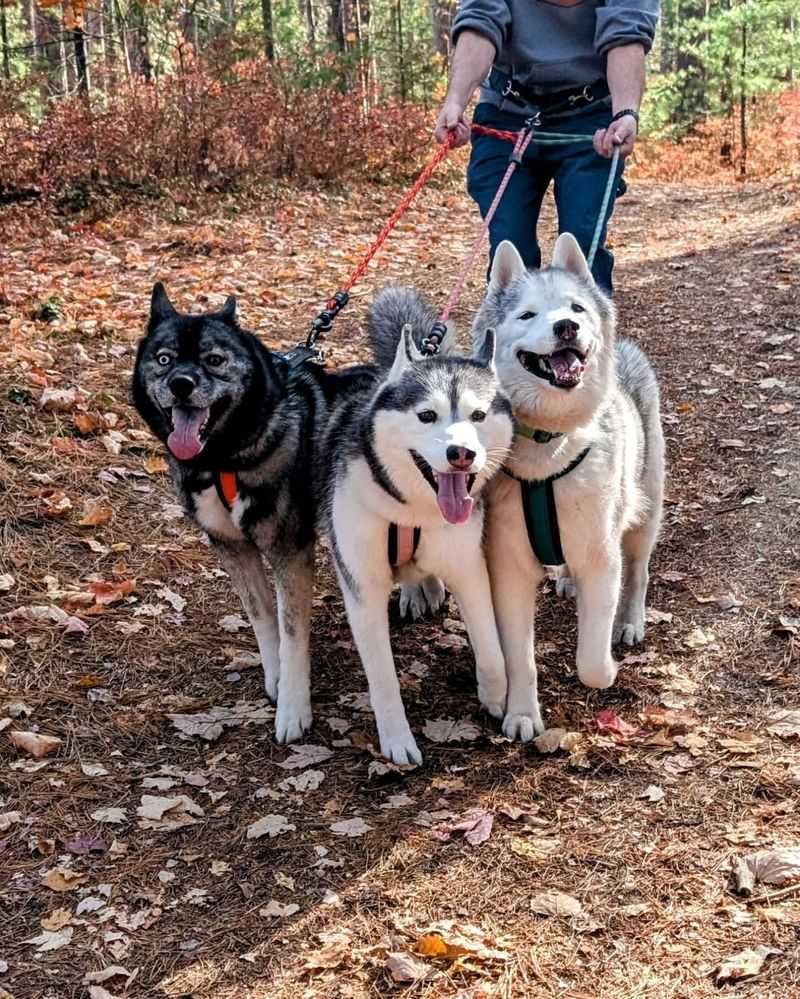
(541, 513)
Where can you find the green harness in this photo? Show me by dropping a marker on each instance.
(539, 503)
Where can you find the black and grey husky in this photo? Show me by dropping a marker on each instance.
(241, 424)
(403, 503)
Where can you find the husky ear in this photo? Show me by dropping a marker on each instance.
(484, 351)
(160, 306)
(407, 353)
(228, 311)
(568, 256)
(507, 265)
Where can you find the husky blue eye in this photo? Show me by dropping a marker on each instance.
(163, 359)
(478, 416)
(215, 360)
(427, 416)
(527, 315)
(577, 308)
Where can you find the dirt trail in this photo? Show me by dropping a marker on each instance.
(641, 831)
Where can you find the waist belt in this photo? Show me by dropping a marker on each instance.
(541, 513)
(553, 102)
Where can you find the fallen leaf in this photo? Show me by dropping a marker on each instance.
(351, 827)
(233, 623)
(175, 600)
(95, 513)
(653, 616)
(56, 920)
(556, 738)
(305, 756)
(94, 770)
(277, 910)
(555, 903)
(610, 723)
(63, 879)
(52, 940)
(7, 582)
(36, 745)
(270, 825)
(209, 725)
(447, 730)
(168, 813)
(450, 940)
(776, 867)
(8, 819)
(334, 947)
(784, 723)
(75, 626)
(699, 638)
(106, 593)
(668, 718)
(745, 964)
(476, 827)
(405, 967)
(112, 816)
(82, 845)
(653, 793)
(155, 465)
(98, 992)
(309, 780)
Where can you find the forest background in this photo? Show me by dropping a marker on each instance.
(124, 96)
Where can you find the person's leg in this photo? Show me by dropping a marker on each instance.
(518, 211)
(580, 183)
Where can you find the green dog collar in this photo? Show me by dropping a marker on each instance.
(540, 436)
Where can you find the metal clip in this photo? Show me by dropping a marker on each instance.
(585, 95)
(534, 121)
(508, 91)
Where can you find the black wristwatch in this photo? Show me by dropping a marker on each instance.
(625, 112)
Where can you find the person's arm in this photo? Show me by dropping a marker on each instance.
(624, 34)
(626, 78)
(472, 60)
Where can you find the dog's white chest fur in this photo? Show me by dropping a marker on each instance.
(215, 519)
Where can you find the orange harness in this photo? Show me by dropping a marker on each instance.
(227, 487)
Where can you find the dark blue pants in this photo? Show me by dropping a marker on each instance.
(579, 178)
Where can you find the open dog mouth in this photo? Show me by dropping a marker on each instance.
(564, 368)
(452, 490)
(188, 437)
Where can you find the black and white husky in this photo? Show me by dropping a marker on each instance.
(241, 426)
(588, 456)
(411, 454)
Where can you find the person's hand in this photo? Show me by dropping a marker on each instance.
(452, 120)
(620, 135)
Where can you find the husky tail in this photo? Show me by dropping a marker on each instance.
(392, 309)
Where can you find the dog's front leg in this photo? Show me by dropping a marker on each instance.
(474, 597)
(245, 567)
(294, 577)
(598, 578)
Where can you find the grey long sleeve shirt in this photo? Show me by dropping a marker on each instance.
(547, 46)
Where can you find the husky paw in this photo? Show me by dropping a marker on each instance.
(292, 722)
(492, 695)
(598, 675)
(628, 633)
(271, 684)
(412, 601)
(400, 747)
(522, 728)
(434, 591)
(565, 587)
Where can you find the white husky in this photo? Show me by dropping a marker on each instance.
(412, 448)
(584, 480)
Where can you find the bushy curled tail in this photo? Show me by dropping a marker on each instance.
(392, 309)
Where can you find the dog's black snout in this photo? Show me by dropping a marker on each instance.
(181, 386)
(566, 329)
(460, 457)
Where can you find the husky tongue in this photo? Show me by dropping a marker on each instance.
(184, 441)
(566, 365)
(454, 501)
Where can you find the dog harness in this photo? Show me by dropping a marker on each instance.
(402, 544)
(539, 504)
(227, 488)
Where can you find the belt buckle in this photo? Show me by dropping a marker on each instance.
(585, 95)
(508, 91)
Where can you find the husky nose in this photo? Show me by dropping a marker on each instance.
(181, 386)
(460, 458)
(566, 329)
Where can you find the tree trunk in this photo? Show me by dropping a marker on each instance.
(441, 22)
(311, 25)
(269, 38)
(4, 38)
(336, 23)
(398, 14)
(743, 101)
(81, 67)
